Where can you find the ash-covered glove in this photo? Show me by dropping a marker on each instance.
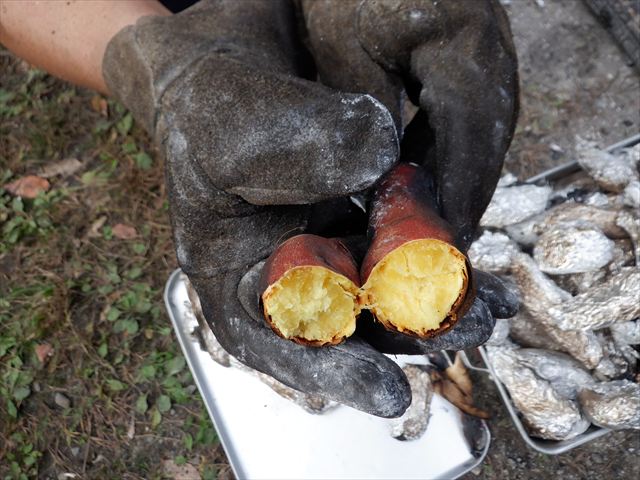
(456, 61)
(222, 88)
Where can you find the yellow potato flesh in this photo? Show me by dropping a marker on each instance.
(312, 303)
(414, 287)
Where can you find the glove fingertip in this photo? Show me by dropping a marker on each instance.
(502, 297)
(392, 397)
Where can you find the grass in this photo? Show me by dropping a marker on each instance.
(113, 398)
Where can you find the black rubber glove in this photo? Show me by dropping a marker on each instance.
(220, 87)
(456, 61)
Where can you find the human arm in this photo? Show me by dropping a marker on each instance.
(68, 38)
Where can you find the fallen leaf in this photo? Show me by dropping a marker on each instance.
(100, 105)
(180, 472)
(43, 351)
(27, 187)
(94, 230)
(453, 394)
(124, 232)
(65, 167)
(458, 374)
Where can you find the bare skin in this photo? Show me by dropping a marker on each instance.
(68, 38)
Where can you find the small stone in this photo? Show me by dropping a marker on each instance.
(75, 451)
(61, 400)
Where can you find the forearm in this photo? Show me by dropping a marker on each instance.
(68, 38)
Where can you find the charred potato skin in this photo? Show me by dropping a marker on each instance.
(306, 250)
(404, 210)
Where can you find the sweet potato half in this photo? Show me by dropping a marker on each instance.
(415, 281)
(310, 286)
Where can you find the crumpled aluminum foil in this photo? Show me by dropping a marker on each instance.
(614, 301)
(527, 332)
(564, 373)
(614, 405)
(500, 333)
(525, 233)
(539, 295)
(614, 364)
(572, 213)
(623, 256)
(631, 224)
(514, 204)
(627, 333)
(631, 194)
(612, 172)
(545, 412)
(581, 282)
(413, 422)
(573, 249)
(492, 252)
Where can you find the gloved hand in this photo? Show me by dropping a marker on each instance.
(220, 87)
(455, 59)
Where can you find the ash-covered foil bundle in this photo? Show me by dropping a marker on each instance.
(570, 357)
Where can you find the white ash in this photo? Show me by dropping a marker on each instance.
(514, 204)
(492, 252)
(573, 249)
(525, 233)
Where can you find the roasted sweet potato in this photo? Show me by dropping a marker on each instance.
(310, 286)
(416, 281)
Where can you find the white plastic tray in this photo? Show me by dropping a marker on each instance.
(268, 437)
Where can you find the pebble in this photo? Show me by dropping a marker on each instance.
(61, 400)
(75, 451)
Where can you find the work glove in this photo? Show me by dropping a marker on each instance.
(455, 60)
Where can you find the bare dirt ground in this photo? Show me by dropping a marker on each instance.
(92, 383)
